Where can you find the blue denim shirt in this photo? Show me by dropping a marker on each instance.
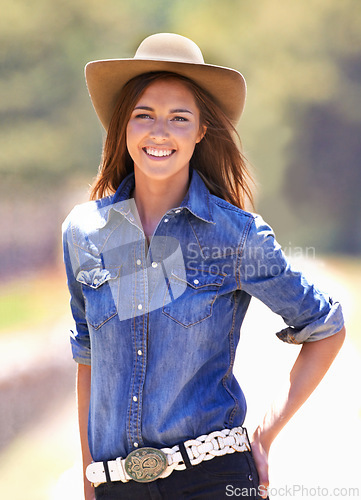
(160, 325)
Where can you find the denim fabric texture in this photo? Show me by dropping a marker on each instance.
(160, 324)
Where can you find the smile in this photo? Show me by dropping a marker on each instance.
(158, 153)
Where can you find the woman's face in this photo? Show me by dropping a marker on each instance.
(163, 130)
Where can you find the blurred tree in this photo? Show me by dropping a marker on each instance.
(323, 179)
(48, 131)
(295, 56)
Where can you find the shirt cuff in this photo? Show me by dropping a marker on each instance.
(320, 329)
(81, 353)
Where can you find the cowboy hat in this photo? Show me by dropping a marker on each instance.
(164, 52)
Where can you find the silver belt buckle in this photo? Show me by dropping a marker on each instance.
(146, 464)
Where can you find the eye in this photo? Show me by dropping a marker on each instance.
(143, 116)
(180, 119)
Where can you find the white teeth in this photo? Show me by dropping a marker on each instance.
(158, 152)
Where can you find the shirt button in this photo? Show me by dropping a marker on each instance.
(135, 398)
(177, 211)
(196, 282)
(140, 352)
(154, 264)
(135, 445)
(139, 262)
(166, 220)
(96, 281)
(140, 306)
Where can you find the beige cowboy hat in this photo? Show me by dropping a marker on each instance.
(164, 52)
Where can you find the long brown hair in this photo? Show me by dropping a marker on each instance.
(217, 157)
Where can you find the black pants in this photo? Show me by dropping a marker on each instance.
(228, 476)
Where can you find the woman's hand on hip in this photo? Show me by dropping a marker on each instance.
(260, 455)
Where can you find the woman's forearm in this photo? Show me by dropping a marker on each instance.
(310, 367)
(83, 398)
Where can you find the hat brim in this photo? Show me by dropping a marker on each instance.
(106, 78)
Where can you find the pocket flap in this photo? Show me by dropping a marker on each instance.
(96, 277)
(198, 278)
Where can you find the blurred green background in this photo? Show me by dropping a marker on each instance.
(301, 129)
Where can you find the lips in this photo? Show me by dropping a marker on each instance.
(158, 153)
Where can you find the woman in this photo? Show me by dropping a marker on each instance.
(161, 266)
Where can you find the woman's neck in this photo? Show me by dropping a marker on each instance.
(154, 198)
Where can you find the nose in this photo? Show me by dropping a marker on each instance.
(159, 131)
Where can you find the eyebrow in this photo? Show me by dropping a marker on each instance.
(172, 111)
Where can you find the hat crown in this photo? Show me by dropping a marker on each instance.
(169, 47)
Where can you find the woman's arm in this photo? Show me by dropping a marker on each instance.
(83, 397)
(311, 365)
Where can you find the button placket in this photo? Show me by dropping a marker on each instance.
(140, 296)
(146, 270)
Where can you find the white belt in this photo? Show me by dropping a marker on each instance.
(140, 462)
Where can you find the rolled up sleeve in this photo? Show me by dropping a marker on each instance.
(79, 337)
(265, 273)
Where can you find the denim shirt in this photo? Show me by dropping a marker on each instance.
(160, 324)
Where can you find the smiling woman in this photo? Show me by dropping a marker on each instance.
(157, 310)
(217, 155)
(161, 142)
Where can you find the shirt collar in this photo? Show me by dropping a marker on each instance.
(197, 199)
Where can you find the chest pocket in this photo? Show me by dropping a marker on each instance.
(100, 289)
(196, 291)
